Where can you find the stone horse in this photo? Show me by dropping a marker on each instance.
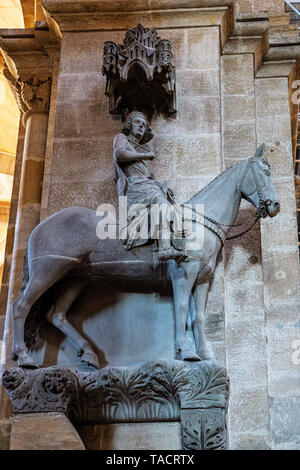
(67, 242)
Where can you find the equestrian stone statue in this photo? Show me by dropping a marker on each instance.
(65, 245)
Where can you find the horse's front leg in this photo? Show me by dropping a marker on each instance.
(204, 348)
(183, 278)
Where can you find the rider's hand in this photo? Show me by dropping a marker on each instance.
(150, 156)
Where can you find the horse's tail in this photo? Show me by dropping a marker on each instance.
(25, 271)
(37, 315)
(33, 323)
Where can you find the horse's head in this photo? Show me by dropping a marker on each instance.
(257, 187)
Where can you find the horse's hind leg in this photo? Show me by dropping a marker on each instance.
(20, 309)
(43, 273)
(58, 317)
(204, 348)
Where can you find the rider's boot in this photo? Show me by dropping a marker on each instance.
(167, 251)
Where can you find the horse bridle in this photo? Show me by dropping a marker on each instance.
(262, 210)
(263, 202)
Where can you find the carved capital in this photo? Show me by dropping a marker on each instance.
(32, 90)
(35, 91)
(42, 390)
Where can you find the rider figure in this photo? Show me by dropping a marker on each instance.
(136, 183)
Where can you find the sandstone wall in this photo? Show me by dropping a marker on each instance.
(260, 7)
(233, 94)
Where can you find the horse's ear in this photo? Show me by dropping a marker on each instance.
(259, 152)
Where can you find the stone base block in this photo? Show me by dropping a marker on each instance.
(43, 431)
(131, 436)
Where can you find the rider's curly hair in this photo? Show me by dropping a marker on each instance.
(127, 126)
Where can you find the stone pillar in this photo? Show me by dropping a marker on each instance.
(28, 7)
(27, 218)
(244, 306)
(33, 93)
(280, 255)
(4, 403)
(261, 276)
(39, 13)
(28, 70)
(5, 407)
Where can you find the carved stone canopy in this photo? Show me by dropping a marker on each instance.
(139, 73)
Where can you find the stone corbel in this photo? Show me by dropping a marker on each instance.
(280, 39)
(256, 45)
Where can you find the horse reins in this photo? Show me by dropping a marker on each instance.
(260, 212)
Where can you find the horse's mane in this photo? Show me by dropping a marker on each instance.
(215, 179)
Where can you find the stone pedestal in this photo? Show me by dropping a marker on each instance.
(157, 391)
(132, 436)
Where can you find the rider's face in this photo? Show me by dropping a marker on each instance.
(138, 127)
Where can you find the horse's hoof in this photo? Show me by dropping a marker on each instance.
(187, 354)
(29, 366)
(89, 365)
(26, 362)
(90, 359)
(190, 357)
